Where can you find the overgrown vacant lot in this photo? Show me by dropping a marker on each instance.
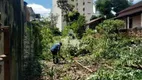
(120, 63)
(101, 54)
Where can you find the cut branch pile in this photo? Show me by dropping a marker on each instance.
(135, 66)
(84, 67)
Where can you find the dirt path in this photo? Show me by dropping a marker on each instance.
(68, 71)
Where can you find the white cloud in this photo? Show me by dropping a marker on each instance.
(135, 1)
(40, 9)
(26, 0)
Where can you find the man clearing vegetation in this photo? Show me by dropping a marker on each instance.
(56, 52)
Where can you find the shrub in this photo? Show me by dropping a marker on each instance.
(110, 28)
(120, 58)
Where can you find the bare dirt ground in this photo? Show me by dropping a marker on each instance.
(74, 70)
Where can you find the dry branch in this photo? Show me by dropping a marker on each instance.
(106, 65)
(89, 70)
(135, 66)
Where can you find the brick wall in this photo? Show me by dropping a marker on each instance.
(137, 32)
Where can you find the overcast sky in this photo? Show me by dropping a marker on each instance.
(43, 7)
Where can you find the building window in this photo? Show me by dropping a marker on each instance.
(89, 13)
(72, 0)
(89, 2)
(83, 9)
(83, 3)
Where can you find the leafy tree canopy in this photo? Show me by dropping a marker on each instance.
(105, 7)
(72, 16)
(64, 5)
(119, 5)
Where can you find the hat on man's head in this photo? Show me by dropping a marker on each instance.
(60, 43)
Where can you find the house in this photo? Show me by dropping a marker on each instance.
(132, 16)
(31, 14)
(93, 23)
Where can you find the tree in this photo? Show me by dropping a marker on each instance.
(119, 5)
(66, 8)
(105, 7)
(53, 20)
(63, 4)
(72, 16)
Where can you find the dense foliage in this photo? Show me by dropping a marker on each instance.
(49, 36)
(119, 57)
(39, 37)
(77, 26)
(33, 49)
(65, 6)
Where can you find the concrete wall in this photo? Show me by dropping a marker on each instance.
(141, 19)
(88, 9)
(12, 12)
(84, 7)
(1, 52)
(136, 21)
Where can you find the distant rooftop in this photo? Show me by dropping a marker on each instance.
(139, 4)
(137, 8)
(31, 10)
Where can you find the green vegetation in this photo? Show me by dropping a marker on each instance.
(109, 54)
(33, 49)
(100, 54)
(38, 40)
(76, 24)
(119, 57)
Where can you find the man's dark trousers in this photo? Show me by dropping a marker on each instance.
(55, 57)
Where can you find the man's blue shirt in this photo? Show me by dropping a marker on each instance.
(55, 47)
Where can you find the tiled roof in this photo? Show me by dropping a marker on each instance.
(92, 21)
(131, 7)
(131, 10)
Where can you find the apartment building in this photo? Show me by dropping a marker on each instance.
(84, 7)
(57, 12)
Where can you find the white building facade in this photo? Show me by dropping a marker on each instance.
(84, 7)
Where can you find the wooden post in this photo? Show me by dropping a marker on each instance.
(5, 30)
(128, 22)
(141, 19)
